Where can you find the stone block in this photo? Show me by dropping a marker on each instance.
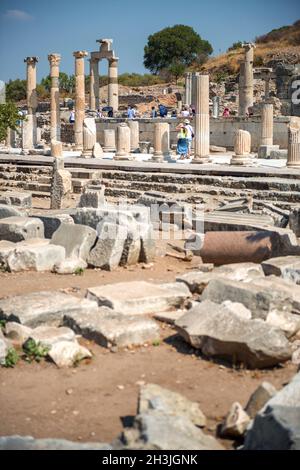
(53, 222)
(16, 229)
(67, 353)
(76, 239)
(16, 199)
(9, 211)
(35, 258)
(259, 398)
(92, 197)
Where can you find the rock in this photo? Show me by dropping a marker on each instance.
(17, 333)
(214, 330)
(236, 422)
(92, 197)
(16, 199)
(159, 431)
(5, 249)
(97, 151)
(29, 443)
(197, 281)
(287, 267)
(148, 244)
(53, 222)
(270, 293)
(139, 297)
(259, 398)
(277, 425)
(68, 353)
(42, 308)
(294, 221)
(35, 258)
(3, 350)
(9, 211)
(169, 317)
(108, 250)
(50, 335)
(238, 309)
(70, 266)
(76, 239)
(33, 242)
(296, 357)
(154, 397)
(285, 321)
(16, 229)
(109, 328)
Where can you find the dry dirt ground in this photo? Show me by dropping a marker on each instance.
(94, 400)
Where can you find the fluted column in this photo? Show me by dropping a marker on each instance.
(134, 135)
(161, 141)
(113, 87)
(79, 98)
(293, 160)
(123, 142)
(202, 119)
(54, 61)
(109, 140)
(29, 126)
(246, 80)
(242, 148)
(267, 124)
(94, 84)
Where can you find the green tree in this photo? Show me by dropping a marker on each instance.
(176, 70)
(16, 90)
(177, 44)
(235, 45)
(9, 119)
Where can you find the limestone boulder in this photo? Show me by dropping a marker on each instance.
(9, 211)
(236, 422)
(139, 297)
(16, 229)
(287, 267)
(18, 334)
(154, 397)
(289, 323)
(108, 249)
(277, 425)
(68, 353)
(5, 249)
(70, 266)
(35, 258)
(259, 398)
(42, 308)
(109, 328)
(50, 335)
(53, 222)
(214, 330)
(260, 297)
(77, 240)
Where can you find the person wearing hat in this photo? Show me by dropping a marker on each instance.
(190, 134)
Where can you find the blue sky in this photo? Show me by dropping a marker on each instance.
(38, 27)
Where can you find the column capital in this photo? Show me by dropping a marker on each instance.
(54, 59)
(80, 54)
(113, 62)
(31, 60)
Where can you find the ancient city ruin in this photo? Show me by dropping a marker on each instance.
(128, 270)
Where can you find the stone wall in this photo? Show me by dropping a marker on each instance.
(222, 131)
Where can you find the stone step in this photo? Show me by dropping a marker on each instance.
(37, 194)
(26, 185)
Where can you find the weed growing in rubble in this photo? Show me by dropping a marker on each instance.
(11, 359)
(79, 272)
(156, 342)
(35, 351)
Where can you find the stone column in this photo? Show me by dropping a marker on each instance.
(94, 84)
(80, 97)
(246, 80)
(293, 160)
(216, 106)
(202, 119)
(89, 136)
(54, 61)
(113, 87)
(123, 142)
(61, 186)
(266, 137)
(193, 88)
(161, 141)
(134, 127)
(109, 140)
(29, 126)
(188, 89)
(242, 148)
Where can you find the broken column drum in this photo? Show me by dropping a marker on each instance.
(202, 137)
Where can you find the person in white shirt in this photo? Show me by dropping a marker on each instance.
(190, 133)
(185, 112)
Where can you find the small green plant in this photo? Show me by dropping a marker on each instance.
(2, 324)
(35, 351)
(11, 359)
(79, 272)
(156, 342)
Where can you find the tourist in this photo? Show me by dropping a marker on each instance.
(190, 133)
(130, 112)
(72, 117)
(174, 114)
(99, 114)
(182, 142)
(185, 112)
(226, 112)
(153, 112)
(163, 112)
